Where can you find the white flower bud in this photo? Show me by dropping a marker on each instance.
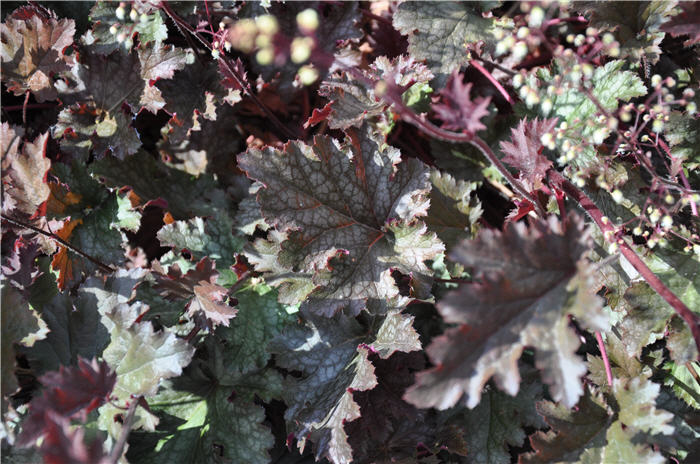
(307, 20)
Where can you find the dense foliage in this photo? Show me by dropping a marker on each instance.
(358, 232)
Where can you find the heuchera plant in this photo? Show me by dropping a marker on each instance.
(251, 232)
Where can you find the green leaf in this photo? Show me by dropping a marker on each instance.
(498, 421)
(636, 398)
(214, 239)
(454, 208)
(684, 384)
(350, 211)
(140, 356)
(103, 15)
(260, 318)
(636, 25)
(74, 327)
(609, 84)
(150, 179)
(648, 314)
(683, 135)
(20, 325)
(92, 214)
(441, 33)
(623, 448)
(527, 282)
(213, 400)
(127, 217)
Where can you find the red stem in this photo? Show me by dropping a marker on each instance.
(574, 19)
(608, 230)
(24, 109)
(30, 106)
(606, 361)
(493, 80)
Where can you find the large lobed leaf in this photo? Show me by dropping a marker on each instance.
(23, 172)
(91, 210)
(638, 26)
(33, 45)
(212, 403)
(350, 210)
(441, 32)
(141, 357)
(527, 281)
(332, 355)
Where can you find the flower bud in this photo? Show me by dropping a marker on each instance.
(307, 20)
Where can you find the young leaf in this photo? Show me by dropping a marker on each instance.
(69, 393)
(525, 151)
(350, 211)
(457, 109)
(528, 280)
(140, 356)
(198, 286)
